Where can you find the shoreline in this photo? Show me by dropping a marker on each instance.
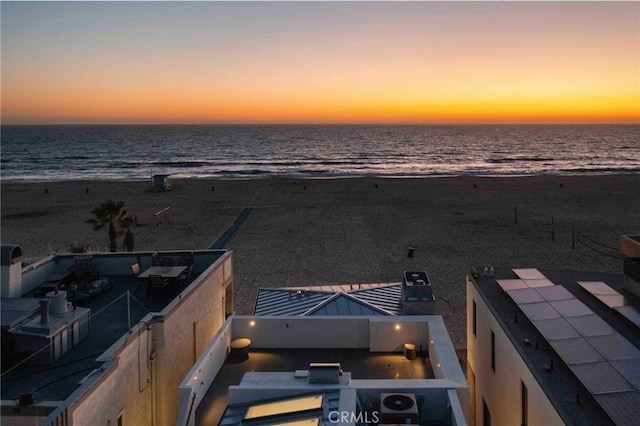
(305, 232)
(10, 181)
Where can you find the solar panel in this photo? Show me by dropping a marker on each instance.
(599, 377)
(539, 311)
(525, 295)
(597, 287)
(574, 351)
(507, 285)
(529, 274)
(591, 325)
(632, 313)
(556, 328)
(622, 407)
(614, 346)
(539, 283)
(557, 292)
(630, 369)
(571, 308)
(611, 300)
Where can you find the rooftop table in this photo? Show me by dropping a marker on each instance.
(163, 271)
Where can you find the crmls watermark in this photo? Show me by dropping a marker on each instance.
(349, 417)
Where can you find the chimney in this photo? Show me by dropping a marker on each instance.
(44, 311)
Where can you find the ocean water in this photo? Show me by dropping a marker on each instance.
(61, 153)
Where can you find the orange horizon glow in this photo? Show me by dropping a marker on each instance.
(454, 63)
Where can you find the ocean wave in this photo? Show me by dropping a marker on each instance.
(518, 159)
(180, 164)
(60, 153)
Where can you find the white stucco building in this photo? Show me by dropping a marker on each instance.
(551, 348)
(139, 345)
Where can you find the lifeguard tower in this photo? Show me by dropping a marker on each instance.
(160, 183)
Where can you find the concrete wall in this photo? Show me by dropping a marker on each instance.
(125, 388)
(189, 323)
(303, 332)
(501, 389)
(389, 334)
(198, 380)
(36, 274)
(378, 334)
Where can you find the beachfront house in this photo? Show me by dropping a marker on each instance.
(106, 338)
(552, 347)
(327, 355)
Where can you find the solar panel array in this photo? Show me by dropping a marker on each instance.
(613, 299)
(606, 363)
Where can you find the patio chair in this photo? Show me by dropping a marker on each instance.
(140, 283)
(135, 269)
(184, 277)
(157, 284)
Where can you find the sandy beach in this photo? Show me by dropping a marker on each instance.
(342, 231)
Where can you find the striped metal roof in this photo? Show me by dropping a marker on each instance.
(274, 301)
(365, 299)
(344, 305)
(387, 297)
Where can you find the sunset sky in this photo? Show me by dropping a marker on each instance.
(320, 62)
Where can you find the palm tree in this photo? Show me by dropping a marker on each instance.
(106, 215)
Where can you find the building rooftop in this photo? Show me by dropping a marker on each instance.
(109, 322)
(377, 354)
(583, 351)
(359, 363)
(350, 299)
(110, 312)
(363, 299)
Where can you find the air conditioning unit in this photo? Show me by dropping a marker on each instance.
(399, 408)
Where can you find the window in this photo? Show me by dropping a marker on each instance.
(486, 414)
(276, 410)
(525, 404)
(493, 351)
(120, 421)
(474, 320)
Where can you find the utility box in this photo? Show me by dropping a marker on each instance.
(417, 294)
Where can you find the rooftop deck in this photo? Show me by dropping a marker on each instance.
(361, 363)
(561, 383)
(109, 321)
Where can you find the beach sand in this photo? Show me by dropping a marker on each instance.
(347, 231)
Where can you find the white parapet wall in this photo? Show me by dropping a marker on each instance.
(377, 334)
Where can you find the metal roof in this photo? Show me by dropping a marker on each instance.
(369, 299)
(345, 305)
(274, 301)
